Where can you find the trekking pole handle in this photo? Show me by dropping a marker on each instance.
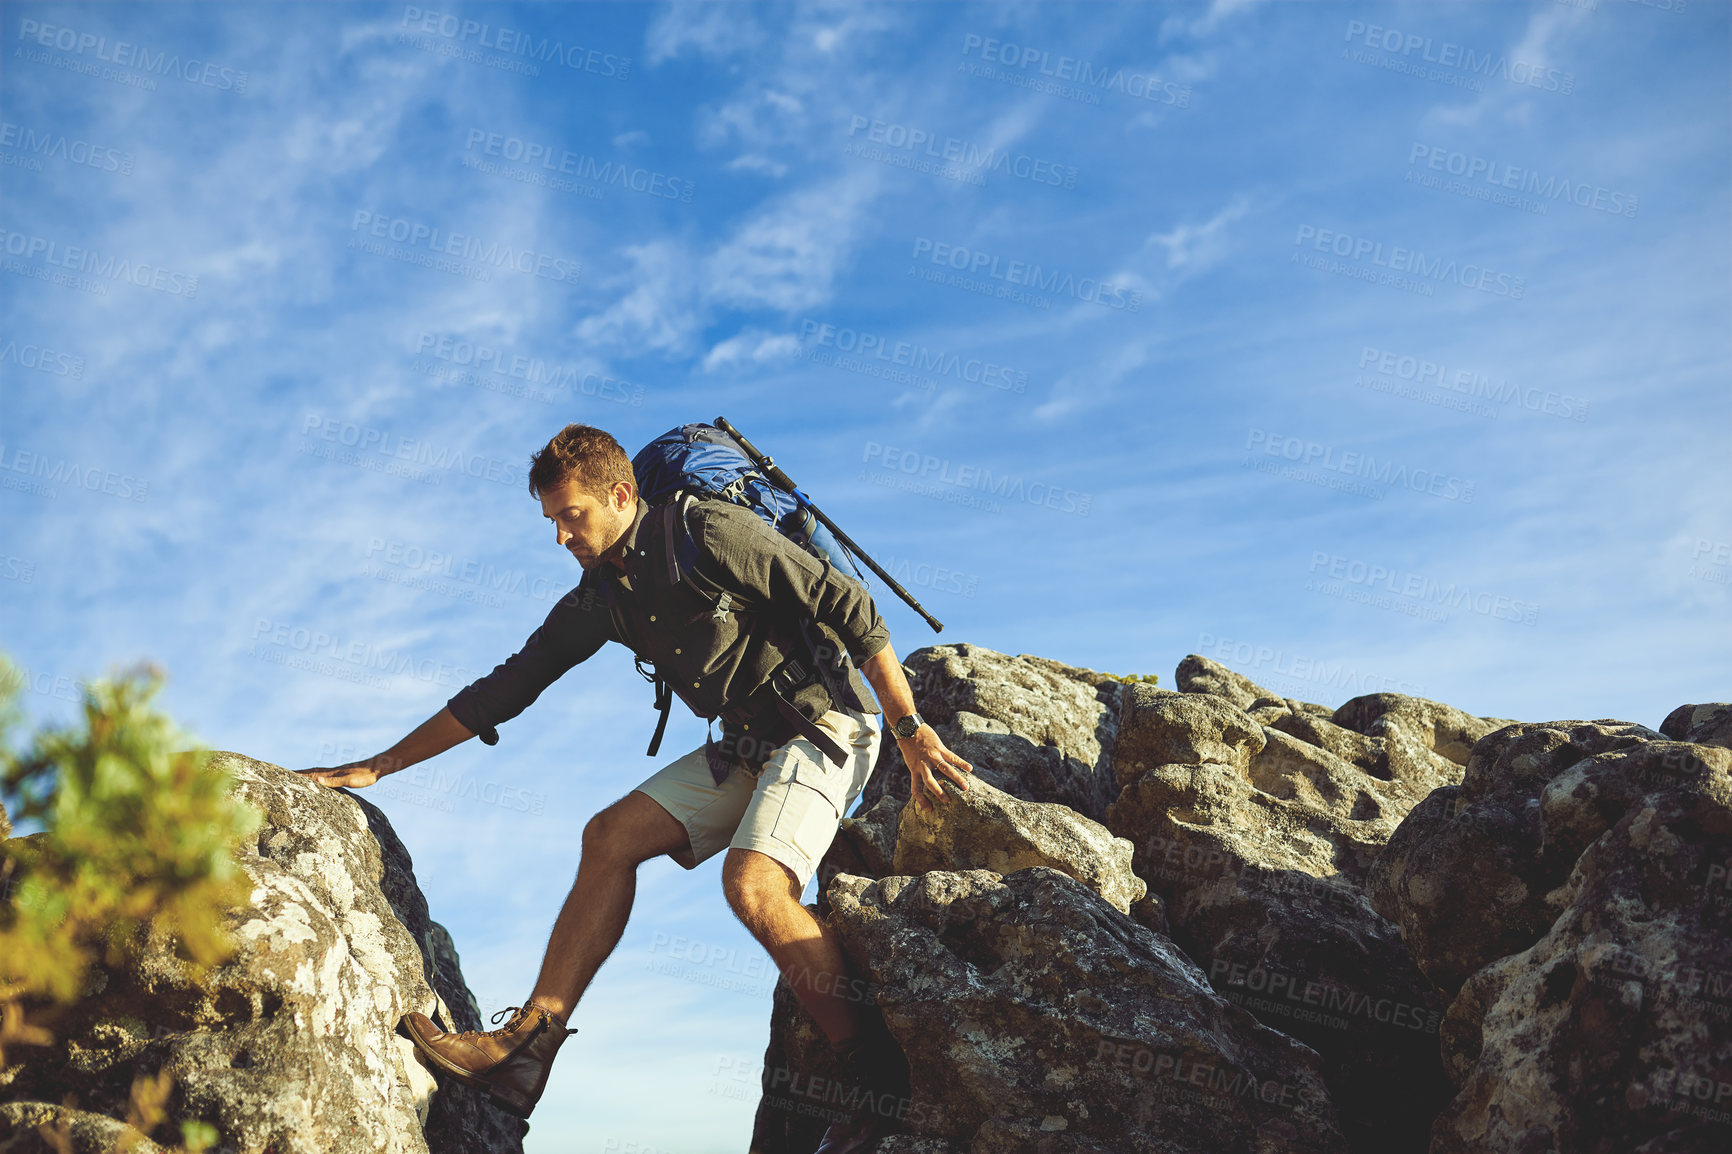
(771, 470)
(782, 481)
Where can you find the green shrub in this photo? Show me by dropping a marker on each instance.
(136, 846)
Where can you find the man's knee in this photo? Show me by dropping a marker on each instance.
(609, 835)
(755, 883)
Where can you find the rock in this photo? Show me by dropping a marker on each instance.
(865, 846)
(1260, 854)
(292, 1044)
(1160, 727)
(1700, 724)
(1195, 824)
(1032, 1011)
(1443, 729)
(83, 1131)
(1613, 1031)
(5, 824)
(1064, 717)
(1466, 876)
(1309, 957)
(985, 828)
(1198, 674)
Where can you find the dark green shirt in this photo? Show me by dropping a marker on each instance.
(717, 657)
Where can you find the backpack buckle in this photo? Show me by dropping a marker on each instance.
(723, 604)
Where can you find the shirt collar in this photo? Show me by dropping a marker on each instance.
(629, 541)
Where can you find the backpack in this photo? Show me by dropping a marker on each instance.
(703, 462)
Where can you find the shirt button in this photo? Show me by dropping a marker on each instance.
(695, 685)
(652, 616)
(676, 653)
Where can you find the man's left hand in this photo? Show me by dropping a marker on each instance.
(927, 758)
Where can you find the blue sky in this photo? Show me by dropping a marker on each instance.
(1360, 347)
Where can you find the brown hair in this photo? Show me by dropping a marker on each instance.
(584, 454)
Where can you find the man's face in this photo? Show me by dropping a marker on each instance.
(586, 525)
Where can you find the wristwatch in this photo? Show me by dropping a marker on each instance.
(907, 727)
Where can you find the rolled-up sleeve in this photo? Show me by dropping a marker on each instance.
(762, 563)
(576, 627)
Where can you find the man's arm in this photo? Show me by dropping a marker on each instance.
(432, 737)
(924, 754)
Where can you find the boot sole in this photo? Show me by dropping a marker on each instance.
(514, 1106)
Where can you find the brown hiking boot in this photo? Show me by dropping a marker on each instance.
(510, 1063)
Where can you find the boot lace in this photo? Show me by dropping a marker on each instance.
(522, 1012)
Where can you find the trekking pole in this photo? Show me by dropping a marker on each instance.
(781, 480)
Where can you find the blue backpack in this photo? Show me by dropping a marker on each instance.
(706, 462)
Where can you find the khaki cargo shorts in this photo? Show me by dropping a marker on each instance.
(789, 811)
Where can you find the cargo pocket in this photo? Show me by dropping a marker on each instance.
(809, 807)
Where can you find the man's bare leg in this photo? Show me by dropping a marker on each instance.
(766, 898)
(615, 842)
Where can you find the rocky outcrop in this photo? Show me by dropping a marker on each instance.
(1036, 1016)
(1035, 728)
(1258, 832)
(1700, 724)
(1614, 1030)
(1572, 889)
(985, 828)
(1493, 936)
(292, 1044)
(1467, 875)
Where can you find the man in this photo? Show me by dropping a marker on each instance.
(752, 633)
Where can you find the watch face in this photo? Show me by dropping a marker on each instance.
(907, 726)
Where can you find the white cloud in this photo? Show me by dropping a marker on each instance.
(752, 346)
(657, 310)
(788, 255)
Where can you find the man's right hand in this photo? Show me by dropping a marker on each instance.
(432, 737)
(355, 775)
